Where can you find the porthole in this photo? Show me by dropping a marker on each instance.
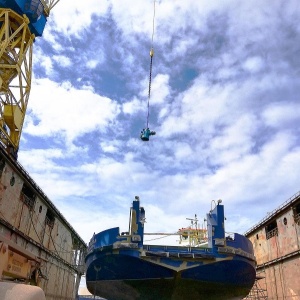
(284, 221)
(12, 180)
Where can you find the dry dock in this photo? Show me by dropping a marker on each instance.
(276, 241)
(37, 244)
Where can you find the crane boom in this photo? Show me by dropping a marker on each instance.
(48, 5)
(21, 21)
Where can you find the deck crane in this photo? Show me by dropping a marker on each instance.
(146, 132)
(21, 21)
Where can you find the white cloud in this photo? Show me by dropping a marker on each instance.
(63, 110)
(253, 64)
(42, 60)
(235, 141)
(38, 158)
(159, 89)
(92, 63)
(132, 106)
(279, 114)
(258, 175)
(136, 20)
(182, 150)
(111, 146)
(73, 18)
(62, 60)
(226, 134)
(199, 109)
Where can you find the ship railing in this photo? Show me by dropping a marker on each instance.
(297, 218)
(116, 245)
(30, 202)
(271, 233)
(49, 203)
(178, 254)
(234, 251)
(119, 245)
(49, 222)
(182, 249)
(274, 212)
(186, 238)
(230, 236)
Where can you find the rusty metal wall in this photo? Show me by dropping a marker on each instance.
(278, 256)
(10, 206)
(61, 283)
(24, 223)
(282, 280)
(279, 245)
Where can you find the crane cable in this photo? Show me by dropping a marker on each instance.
(151, 63)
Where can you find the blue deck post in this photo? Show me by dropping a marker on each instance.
(215, 225)
(137, 222)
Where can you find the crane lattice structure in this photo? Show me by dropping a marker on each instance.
(21, 21)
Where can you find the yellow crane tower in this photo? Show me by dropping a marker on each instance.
(21, 21)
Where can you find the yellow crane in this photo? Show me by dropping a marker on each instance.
(21, 21)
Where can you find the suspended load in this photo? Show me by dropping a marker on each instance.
(146, 132)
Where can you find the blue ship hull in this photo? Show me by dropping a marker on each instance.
(122, 267)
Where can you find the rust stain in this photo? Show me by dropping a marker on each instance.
(278, 255)
(24, 226)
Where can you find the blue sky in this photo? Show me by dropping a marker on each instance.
(224, 104)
